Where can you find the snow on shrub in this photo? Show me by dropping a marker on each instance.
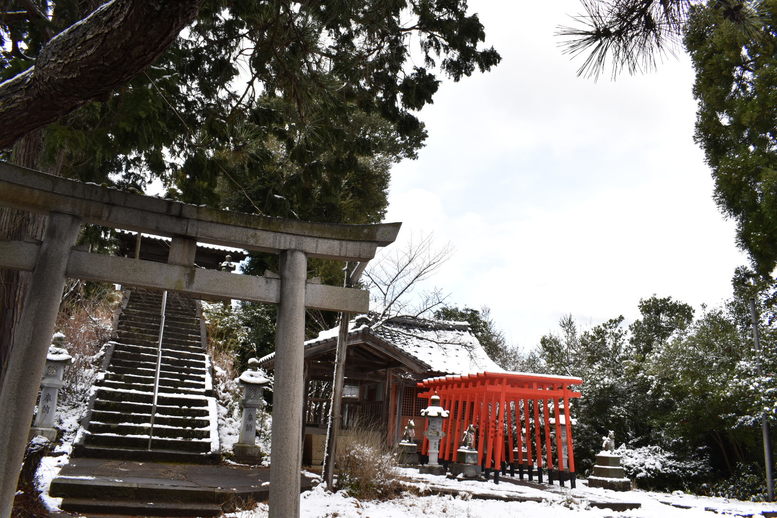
(652, 467)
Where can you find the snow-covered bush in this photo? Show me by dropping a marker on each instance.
(652, 467)
(226, 333)
(228, 395)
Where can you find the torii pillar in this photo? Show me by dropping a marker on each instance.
(288, 389)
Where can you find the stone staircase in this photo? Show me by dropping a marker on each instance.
(182, 424)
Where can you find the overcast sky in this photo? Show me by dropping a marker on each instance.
(561, 195)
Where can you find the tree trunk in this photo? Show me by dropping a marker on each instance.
(17, 225)
(88, 60)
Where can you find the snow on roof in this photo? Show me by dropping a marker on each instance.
(210, 246)
(448, 347)
(444, 346)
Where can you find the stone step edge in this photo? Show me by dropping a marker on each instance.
(156, 425)
(172, 485)
(152, 455)
(135, 508)
(87, 433)
(146, 418)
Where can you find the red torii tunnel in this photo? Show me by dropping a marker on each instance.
(522, 421)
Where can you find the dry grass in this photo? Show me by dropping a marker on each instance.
(85, 318)
(366, 467)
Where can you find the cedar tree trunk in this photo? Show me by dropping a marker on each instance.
(88, 60)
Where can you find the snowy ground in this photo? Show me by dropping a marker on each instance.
(473, 499)
(556, 503)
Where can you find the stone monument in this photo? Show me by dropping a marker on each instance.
(608, 472)
(45, 418)
(408, 449)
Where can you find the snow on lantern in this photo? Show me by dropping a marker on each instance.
(253, 383)
(434, 414)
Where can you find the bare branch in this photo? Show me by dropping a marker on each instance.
(395, 279)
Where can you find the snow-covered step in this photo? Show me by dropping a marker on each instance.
(152, 341)
(167, 359)
(145, 408)
(184, 414)
(139, 429)
(142, 396)
(189, 387)
(150, 331)
(107, 416)
(111, 507)
(157, 454)
(189, 353)
(119, 440)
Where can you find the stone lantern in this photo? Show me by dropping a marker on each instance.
(253, 384)
(434, 414)
(56, 360)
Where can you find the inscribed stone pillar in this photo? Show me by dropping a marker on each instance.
(45, 418)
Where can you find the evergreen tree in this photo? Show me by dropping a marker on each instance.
(661, 318)
(483, 327)
(737, 121)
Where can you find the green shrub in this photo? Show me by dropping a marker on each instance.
(747, 483)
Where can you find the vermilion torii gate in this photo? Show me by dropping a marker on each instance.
(522, 420)
(69, 204)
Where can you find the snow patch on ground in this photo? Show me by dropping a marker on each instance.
(558, 503)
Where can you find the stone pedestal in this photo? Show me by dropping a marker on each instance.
(247, 453)
(466, 465)
(407, 454)
(608, 473)
(432, 469)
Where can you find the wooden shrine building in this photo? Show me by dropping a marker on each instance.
(383, 366)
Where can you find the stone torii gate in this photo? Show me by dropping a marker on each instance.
(69, 204)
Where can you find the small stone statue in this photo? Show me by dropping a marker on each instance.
(468, 439)
(409, 433)
(608, 442)
(228, 265)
